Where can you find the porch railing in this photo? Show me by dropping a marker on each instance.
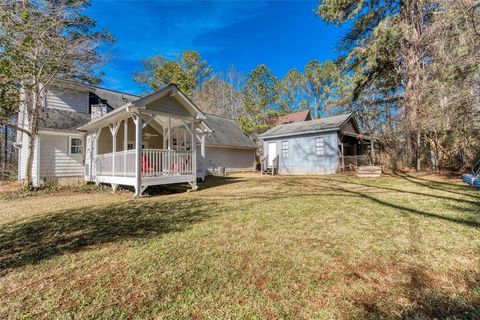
(349, 163)
(154, 162)
(157, 162)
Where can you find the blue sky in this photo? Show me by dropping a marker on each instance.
(280, 34)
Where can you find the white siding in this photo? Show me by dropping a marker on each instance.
(67, 99)
(55, 160)
(169, 105)
(23, 156)
(230, 158)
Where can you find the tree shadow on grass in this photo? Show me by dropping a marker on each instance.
(424, 298)
(210, 182)
(73, 230)
(342, 189)
(440, 185)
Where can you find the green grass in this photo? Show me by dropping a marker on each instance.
(246, 247)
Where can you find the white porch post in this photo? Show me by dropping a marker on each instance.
(138, 155)
(194, 155)
(184, 140)
(202, 153)
(125, 146)
(164, 136)
(177, 137)
(114, 131)
(169, 133)
(93, 162)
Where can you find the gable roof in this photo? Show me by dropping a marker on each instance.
(291, 117)
(318, 125)
(171, 90)
(226, 132)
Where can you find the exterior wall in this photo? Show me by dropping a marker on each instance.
(302, 158)
(348, 127)
(169, 105)
(55, 158)
(233, 159)
(23, 157)
(67, 99)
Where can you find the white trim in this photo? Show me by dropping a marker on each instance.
(320, 145)
(284, 151)
(229, 147)
(127, 181)
(153, 181)
(62, 133)
(70, 146)
(286, 135)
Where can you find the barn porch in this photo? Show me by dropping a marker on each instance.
(356, 150)
(151, 141)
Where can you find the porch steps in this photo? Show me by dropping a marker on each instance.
(369, 171)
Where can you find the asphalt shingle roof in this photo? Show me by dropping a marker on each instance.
(61, 119)
(323, 124)
(226, 132)
(291, 117)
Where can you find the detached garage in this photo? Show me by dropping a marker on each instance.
(227, 146)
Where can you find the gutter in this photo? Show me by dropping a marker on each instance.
(263, 137)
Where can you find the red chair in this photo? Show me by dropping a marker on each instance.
(147, 167)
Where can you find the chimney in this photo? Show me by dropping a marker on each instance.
(99, 110)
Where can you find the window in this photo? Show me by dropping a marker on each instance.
(319, 146)
(285, 149)
(76, 146)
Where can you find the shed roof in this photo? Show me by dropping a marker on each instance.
(311, 126)
(291, 117)
(226, 132)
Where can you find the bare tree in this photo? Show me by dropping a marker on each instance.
(221, 94)
(44, 40)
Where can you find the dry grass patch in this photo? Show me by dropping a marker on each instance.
(246, 246)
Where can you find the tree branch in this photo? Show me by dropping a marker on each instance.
(13, 126)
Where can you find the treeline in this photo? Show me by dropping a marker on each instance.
(251, 99)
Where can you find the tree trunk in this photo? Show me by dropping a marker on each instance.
(32, 124)
(411, 15)
(5, 148)
(418, 152)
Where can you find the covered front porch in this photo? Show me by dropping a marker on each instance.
(356, 150)
(152, 141)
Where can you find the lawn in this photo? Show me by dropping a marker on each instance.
(246, 246)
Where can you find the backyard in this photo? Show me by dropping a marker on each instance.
(246, 246)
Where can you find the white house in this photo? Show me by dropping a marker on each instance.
(98, 135)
